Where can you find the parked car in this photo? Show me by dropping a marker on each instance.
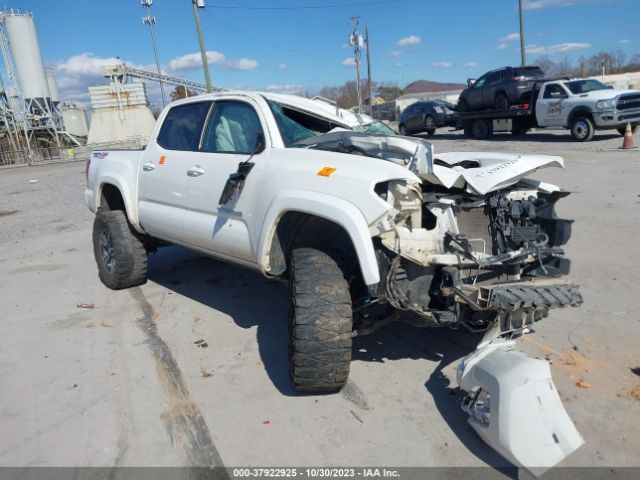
(499, 89)
(425, 117)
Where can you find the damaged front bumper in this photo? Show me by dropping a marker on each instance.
(515, 408)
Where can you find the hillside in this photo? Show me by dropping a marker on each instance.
(420, 86)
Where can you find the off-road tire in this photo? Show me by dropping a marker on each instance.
(320, 322)
(482, 129)
(623, 130)
(119, 253)
(582, 129)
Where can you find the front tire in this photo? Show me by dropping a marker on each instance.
(583, 129)
(623, 130)
(119, 253)
(320, 322)
(402, 130)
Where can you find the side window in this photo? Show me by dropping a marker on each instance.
(182, 126)
(493, 78)
(480, 82)
(554, 91)
(233, 128)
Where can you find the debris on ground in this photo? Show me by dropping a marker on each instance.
(582, 384)
(266, 422)
(201, 343)
(34, 181)
(89, 306)
(631, 394)
(204, 373)
(6, 213)
(356, 416)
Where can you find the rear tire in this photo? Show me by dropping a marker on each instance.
(583, 129)
(320, 322)
(501, 102)
(119, 253)
(482, 129)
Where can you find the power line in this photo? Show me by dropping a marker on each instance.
(306, 7)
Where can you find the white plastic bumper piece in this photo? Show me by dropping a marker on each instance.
(515, 408)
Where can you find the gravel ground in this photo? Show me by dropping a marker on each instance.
(125, 384)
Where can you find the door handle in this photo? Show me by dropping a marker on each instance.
(195, 171)
(148, 167)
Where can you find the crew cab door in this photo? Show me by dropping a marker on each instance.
(162, 172)
(552, 106)
(222, 182)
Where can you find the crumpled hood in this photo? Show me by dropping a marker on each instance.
(477, 172)
(484, 172)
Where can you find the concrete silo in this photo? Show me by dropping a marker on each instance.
(27, 59)
(52, 83)
(75, 119)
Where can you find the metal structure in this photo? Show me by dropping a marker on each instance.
(31, 120)
(150, 20)
(124, 73)
(523, 53)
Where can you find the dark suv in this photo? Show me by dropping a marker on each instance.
(500, 89)
(425, 117)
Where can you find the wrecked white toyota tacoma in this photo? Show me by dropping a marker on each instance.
(362, 223)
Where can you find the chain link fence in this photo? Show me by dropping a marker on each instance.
(36, 156)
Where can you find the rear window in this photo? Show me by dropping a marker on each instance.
(530, 72)
(182, 126)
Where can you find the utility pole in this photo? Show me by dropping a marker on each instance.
(150, 20)
(369, 87)
(355, 40)
(522, 50)
(203, 51)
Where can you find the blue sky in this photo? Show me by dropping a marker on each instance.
(291, 48)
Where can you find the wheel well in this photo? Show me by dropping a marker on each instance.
(111, 198)
(579, 112)
(297, 229)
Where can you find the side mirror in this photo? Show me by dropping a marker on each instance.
(260, 144)
(471, 82)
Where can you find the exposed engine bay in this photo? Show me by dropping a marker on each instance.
(476, 243)
(473, 242)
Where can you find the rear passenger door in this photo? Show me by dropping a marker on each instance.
(490, 88)
(162, 172)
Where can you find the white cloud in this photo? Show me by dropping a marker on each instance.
(349, 62)
(241, 64)
(624, 41)
(555, 49)
(409, 41)
(399, 65)
(193, 61)
(512, 37)
(470, 65)
(395, 53)
(282, 66)
(443, 65)
(289, 88)
(502, 46)
(537, 4)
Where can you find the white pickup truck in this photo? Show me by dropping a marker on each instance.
(580, 105)
(361, 223)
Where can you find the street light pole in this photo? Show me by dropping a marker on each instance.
(203, 51)
(522, 50)
(151, 21)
